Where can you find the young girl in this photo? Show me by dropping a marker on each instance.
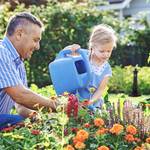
(101, 43)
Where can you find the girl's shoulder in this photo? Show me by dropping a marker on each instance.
(105, 68)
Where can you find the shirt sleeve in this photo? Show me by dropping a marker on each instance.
(8, 74)
(107, 71)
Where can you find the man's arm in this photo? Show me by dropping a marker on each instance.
(24, 96)
(23, 111)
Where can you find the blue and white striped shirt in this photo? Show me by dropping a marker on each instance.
(12, 73)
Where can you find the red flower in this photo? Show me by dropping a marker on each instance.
(8, 129)
(74, 130)
(35, 132)
(66, 132)
(87, 125)
(72, 106)
(137, 139)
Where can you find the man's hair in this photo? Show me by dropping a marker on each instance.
(23, 19)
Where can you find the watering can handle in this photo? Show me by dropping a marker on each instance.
(63, 54)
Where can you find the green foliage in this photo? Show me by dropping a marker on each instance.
(63, 26)
(67, 23)
(122, 80)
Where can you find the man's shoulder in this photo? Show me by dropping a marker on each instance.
(4, 53)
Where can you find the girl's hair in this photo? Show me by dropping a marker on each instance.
(102, 34)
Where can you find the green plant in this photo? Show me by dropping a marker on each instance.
(86, 130)
(122, 80)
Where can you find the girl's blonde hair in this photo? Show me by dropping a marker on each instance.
(102, 34)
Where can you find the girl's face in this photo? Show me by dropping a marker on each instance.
(103, 52)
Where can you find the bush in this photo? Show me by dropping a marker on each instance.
(67, 23)
(122, 80)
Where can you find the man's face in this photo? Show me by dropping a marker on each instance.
(30, 40)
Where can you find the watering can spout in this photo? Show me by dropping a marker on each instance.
(70, 73)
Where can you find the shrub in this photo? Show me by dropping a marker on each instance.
(122, 80)
(67, 23)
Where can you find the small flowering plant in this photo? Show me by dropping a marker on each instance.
(74, 127)
(94, 131)
(96, 135)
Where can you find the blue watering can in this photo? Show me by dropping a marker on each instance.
(70, 73)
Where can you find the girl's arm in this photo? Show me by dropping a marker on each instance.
(73, 48)
(98, 93)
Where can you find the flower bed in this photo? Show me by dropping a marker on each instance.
(121, 127)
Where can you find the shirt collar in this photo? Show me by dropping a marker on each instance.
(11, 48)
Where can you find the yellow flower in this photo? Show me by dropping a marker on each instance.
(69, 147)
(92, 90)
(17, 136)
(46, 144)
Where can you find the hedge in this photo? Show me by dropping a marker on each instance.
(67, 23)
(122, 80)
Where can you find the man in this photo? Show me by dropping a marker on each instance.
(22, 38)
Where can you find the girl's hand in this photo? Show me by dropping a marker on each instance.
(87, 103)
(73, 47)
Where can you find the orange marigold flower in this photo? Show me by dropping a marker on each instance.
(69, 147)
(98, 122)
(35, 132)
(101, 131)
(75, 140)
(87, 125)
(131, 129)
(82, 134)
(138, 148)
(116, 129)
(103, 148)
(148, 140)
(79, 145)
(78, 139)
(129, 138)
